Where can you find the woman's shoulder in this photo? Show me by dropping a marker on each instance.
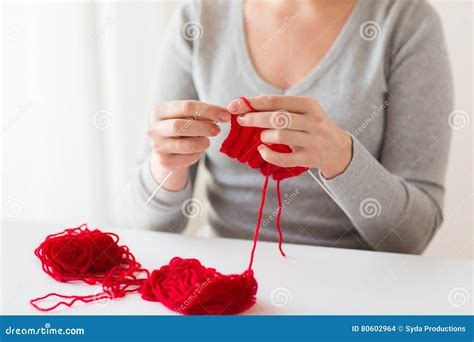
(417, 8)
(402, 14)
(205, 9)
(206, 23)
(402, 21)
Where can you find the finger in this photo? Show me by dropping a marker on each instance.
(281, 159)
(285, 137)
(183, 128)
(191, 109)
(275, 120)
(270, 103)
(181, 145)
(178, 161)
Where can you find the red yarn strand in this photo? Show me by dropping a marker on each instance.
(280, 234)
(290, 171)
(84, 299)
(247, 103)
(259, 221)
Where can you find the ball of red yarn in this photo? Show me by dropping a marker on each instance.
(83, 254)
(92, 256)
(189, 288)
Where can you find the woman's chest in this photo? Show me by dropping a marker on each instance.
(286, 48)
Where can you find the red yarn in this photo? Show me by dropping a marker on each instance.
(184, 285)
(259, 221)
(79, 254)
(187, 287)
(280, 234)
(242, 143)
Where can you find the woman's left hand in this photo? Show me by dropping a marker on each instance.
(300, 122)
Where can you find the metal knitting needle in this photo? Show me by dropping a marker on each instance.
(158, 188)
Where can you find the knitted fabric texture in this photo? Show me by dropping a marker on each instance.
(242, 143)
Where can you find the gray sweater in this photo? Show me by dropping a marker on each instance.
(386, 80)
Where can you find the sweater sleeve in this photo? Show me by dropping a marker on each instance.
(173, 81)
(395, 199)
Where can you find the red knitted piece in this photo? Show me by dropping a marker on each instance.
(189, 288)
(242, 144)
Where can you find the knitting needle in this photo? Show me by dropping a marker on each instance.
(158, 188)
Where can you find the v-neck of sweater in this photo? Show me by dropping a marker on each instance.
(335, 51)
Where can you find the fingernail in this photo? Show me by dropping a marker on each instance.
(260, 148)
(216, 130)
(234, 106)
(241, 119)
(224, 116)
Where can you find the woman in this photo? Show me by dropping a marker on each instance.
(365, 87)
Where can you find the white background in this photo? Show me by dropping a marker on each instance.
(76, 80)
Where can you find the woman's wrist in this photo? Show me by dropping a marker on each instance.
(341, 160)
(176, 182)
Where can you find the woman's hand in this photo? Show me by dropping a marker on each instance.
(180, 132)
(300, 122)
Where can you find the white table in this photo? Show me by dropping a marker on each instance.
(311, 280)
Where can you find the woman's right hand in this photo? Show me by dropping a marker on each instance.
(180, 132)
